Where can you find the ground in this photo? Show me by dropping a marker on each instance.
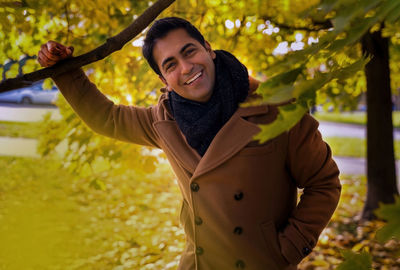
(50, 221)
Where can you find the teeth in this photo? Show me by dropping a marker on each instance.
(194, 78)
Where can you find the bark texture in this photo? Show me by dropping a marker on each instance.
(381, 186)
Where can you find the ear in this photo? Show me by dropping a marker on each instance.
(165, 82)
(210, 51)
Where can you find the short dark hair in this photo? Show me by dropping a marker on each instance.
(160, 29)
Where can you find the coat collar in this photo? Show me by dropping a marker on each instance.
(243, 111)
(230, 139)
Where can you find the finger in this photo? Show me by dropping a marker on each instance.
(44, 60)
(67, 52)
(59, 50)
(53, 46)
(70, 50)
(39, 59)
(41, 62)
(50, 55)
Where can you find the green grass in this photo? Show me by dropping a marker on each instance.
(20, 129)
(353, 147)
(358, 118)
(50, 220)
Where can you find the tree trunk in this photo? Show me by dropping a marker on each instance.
(381, 171)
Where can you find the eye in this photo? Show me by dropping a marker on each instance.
(189, 51)
(169, 66)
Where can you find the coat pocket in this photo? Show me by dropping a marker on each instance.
(272, 244)
(184, 218)
(184, 213)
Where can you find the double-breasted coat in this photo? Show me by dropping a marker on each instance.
(240, 207)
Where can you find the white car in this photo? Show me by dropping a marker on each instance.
(34, 94)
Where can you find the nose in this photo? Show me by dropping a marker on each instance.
(187, 67)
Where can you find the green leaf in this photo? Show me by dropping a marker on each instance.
(355, 261)
(345, 15)
(297, 58)
(305, 86)
(390, 213)
(386, 8)
(370, 4)
(327, 5)
(279, 88)
(394, 15)
(288, 116)
(350, 70)
(300, 58)
(98, 184)
(353, 34)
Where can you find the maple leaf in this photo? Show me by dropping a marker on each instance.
(355, 261)
(390, 213)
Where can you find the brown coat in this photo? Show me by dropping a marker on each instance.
(240, 206)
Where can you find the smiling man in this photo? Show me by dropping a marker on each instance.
(189, 69)
(240, 207)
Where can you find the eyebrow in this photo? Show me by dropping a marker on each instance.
(180, 51)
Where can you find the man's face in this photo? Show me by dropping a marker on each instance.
(186, 66)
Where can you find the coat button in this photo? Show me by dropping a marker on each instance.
(306, 251)
(194, 187)
(238, 196)
(238, 230)
(199, 250)
(240, 264)
(198, 221)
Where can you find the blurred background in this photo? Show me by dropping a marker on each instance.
(72, 199)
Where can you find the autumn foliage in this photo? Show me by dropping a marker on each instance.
(127, 196)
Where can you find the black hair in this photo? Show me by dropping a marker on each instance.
(160, 29)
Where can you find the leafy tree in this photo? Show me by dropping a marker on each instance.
(324, 65)
(328, 48)
(352, 23)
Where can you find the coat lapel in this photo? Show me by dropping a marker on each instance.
(176, 143)
(232, 137)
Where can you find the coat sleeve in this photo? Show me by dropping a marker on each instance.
(310, 163)
(126, 123)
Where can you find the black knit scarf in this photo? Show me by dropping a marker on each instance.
(200, 122)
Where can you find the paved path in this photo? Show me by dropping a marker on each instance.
(26, 113)
(355, 166)
(19, 147)
(27, 148)
(23, 147)
(29, 113)
(332, 129)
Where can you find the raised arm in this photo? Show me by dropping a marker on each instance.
(126, 123)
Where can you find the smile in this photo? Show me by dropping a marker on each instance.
(195, 77)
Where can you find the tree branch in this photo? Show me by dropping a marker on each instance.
(315, 27)
(111, 45)
(15, 4)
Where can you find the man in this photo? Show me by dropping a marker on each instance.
(240, 206)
